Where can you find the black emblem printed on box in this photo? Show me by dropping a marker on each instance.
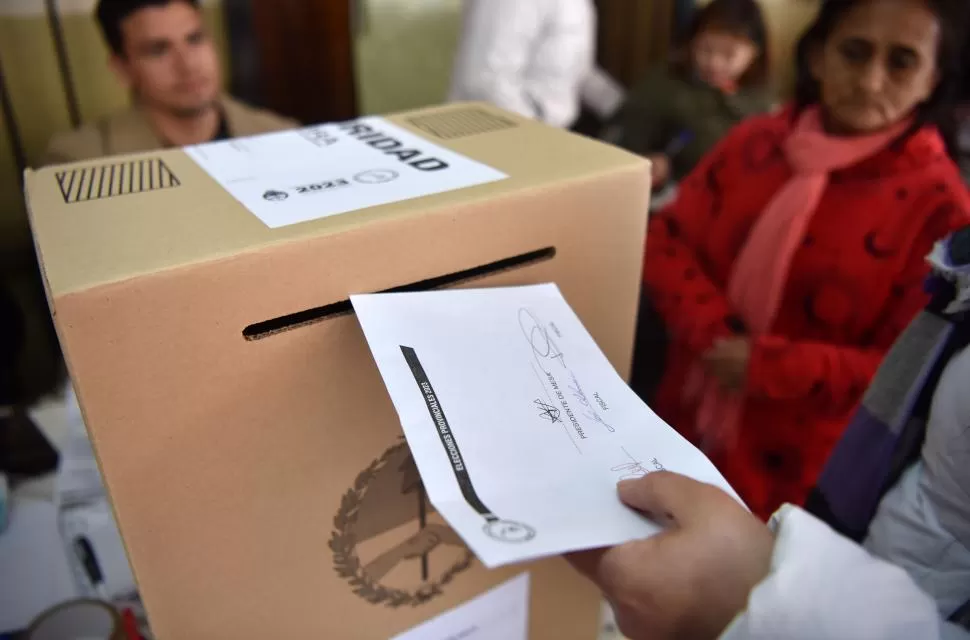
(95, 182)
(388, 542)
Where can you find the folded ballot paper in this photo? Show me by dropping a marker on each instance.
(519, 425)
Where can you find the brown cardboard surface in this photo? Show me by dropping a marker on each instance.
(261, 485)
(199, 221)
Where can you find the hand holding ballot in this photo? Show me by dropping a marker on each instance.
(692, 579)
(518, 424)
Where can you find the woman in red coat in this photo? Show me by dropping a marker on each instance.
(793, 256)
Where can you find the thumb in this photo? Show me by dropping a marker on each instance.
(664, 497)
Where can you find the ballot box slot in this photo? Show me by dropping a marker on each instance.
(273, 326)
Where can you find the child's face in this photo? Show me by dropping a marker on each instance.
(878, 65)
(721, 58)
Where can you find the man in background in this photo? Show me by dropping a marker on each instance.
(535, 58)
(161, 51)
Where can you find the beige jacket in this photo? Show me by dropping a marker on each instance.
(130, 132)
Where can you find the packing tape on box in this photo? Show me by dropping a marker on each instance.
(77, 620)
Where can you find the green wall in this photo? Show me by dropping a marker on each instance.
(404, 51)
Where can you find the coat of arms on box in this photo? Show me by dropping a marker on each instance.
(388, 542)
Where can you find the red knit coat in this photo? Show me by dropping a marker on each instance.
(854, 285)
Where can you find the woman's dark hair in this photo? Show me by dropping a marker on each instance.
(939, 108)
(742, 18)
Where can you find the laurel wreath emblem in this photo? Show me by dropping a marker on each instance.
(343, 543)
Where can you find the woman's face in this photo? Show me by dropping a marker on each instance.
(878, 65)
(721, 58)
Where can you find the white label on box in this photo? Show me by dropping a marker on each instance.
(499, 614)
(304, 174)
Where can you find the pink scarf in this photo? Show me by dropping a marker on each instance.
(757, 284)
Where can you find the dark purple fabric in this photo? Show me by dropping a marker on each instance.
(861, 467)
(857, 471)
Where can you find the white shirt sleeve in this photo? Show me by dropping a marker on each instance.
(493, 53)
(528, 56)
(601, 93)
(823, 586)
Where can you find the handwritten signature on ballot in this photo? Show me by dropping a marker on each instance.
(544, 348)
(551, 359)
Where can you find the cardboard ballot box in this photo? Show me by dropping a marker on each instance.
(253, 457)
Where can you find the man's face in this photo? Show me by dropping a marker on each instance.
(169, 61)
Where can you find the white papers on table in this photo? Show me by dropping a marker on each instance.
(519, 425)
(94, 522)
(34, 572)
(499, 614)
(78, 477)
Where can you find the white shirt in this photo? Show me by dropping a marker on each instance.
(532, 57)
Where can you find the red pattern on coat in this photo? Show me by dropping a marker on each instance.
(854, 285)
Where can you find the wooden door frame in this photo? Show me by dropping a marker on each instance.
(303, 66)
(634, 35)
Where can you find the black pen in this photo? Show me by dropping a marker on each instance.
(85, 553)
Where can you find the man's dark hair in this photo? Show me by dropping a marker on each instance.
(111, 13)
(742, 18)
(938, 110)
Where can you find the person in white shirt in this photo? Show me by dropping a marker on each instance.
(533, 57)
